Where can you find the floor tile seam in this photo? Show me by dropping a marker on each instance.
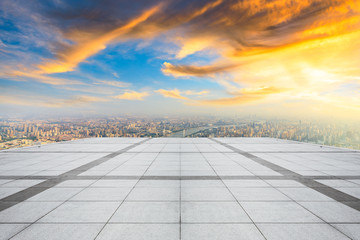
(253, 222)
(307, 208)
(307, 182)
(333, 227)
(307, 166)
(51, 159)
(56, 181)
(98, 234)
(180, 207)
(184, 177)
(83, 189)
(240, 200)
(91, 152)
(190, 223)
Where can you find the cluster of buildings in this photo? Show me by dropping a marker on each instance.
(319, 133)
(19, 133)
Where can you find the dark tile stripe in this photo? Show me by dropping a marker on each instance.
(38, 188)
(335, 194)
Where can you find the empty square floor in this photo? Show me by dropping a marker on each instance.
(180, 188)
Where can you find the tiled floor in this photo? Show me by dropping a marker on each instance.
(180, 188)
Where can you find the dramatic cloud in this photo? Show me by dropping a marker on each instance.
(23, 76)
(244, 96)
(199, 71)
(304, 49)
(174, 93)
(132, 95)
(191, 92)
(82, 50)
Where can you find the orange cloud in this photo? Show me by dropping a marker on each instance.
(175, 93)
(191, 92)
(89, 47)
(243, 96)
(199, 71)
(132, 95)
(41, 78)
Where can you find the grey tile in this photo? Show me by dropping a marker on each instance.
(355, 192)
(3, 181)
(278, 212)
(333, 211)
(147, 212)
(22, 183)
(9, 230)
(140, 232)
(115, 183)
(75, 183)
(55, 195)
(220, 231)
(284, 183)
(206, 194)
(27, 211)
(300, 232)
(59, 232)
(212, 212)
(351, 230)
(81, 212)
(201, 183)
(305, 194)
(258, 194)
(246, 183)
(4, 192)
(154, 194)
(158, 183)
(101, 194)
(338, 183)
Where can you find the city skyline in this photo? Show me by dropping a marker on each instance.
(16, 133)
(165, 57)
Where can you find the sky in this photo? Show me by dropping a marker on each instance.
(287, 58)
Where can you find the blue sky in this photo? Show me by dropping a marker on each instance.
(277, 58)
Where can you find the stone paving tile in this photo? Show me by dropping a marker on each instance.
(59, 232)
(206, 194)
(81, 212)
(27, 211)
(220, 231)
(154, 194)
(333, 211)
(140, 232)
(9, 230)
(278, 212)
(351, 230)
(147, 212)
(213, 212)
(300, 232)
(177, 188)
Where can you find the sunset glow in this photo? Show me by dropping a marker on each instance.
(273, 57)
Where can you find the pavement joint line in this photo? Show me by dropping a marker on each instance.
(127, 195)
(51, 182)
(311, 183)
(178, 177)
(236, 200)
(349, 151)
